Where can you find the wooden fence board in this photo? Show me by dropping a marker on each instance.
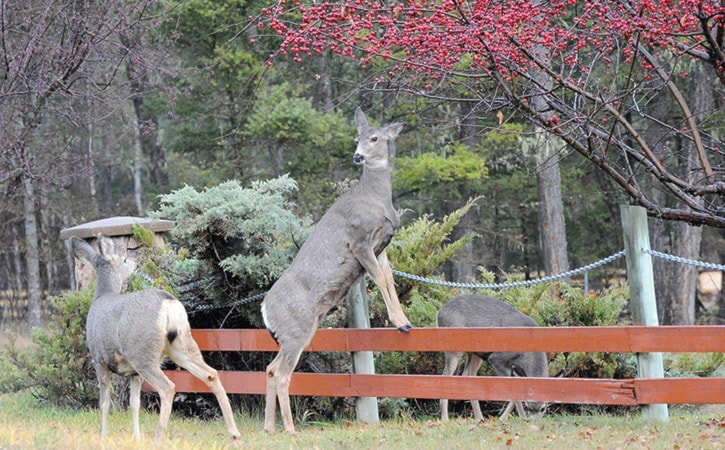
(680, 390)
(551, 339)
(604, 391)
(558, 390)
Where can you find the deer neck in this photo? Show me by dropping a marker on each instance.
(107, 282)
(377, 180)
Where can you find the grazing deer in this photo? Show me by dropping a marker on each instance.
(477, 311)
(129, 334)
(348, 241)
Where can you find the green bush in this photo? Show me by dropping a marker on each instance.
(699, 364)
(59, 369)
(233, 241)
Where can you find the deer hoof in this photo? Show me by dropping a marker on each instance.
(405, 327)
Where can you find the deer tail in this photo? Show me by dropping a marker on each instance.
(176, 319)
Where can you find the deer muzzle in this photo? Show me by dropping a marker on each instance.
(358, 158)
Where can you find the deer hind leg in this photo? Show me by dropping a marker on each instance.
(185, 352)
(166, 389)
(279, 374)
(270, 403)
(471, 370)
(104, 397)
(452, 360)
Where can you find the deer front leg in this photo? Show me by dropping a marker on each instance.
(135, 401)
(104, 398)
(390, 286)
(507, 412)
(381, 273)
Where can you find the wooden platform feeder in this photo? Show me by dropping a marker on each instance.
(120, 229)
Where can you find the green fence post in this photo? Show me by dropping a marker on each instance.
(366, 408)
(643, 303)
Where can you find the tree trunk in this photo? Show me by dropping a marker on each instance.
(147, 123)
(32, 259)
(137, 172)
(551, 210)
(325, 84)
(92, 173)
(548, 178)
(675, 282)
(17, 261)
(464, 267)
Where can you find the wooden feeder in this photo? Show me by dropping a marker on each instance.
(120, 229)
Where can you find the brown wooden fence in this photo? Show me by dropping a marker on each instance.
(631, 339)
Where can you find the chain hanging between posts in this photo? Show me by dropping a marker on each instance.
(477, 286)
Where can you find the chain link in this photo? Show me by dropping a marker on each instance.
(682, 260)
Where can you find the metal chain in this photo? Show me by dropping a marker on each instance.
(241, 301)
(512, 284)
(477, 286)
(208, 307)
(682, 260)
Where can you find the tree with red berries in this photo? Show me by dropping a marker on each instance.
(635, 86)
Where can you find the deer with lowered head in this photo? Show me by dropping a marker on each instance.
(477, 311)
(129, 334)
(347, 242)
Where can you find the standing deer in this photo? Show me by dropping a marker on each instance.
(129, 334)
(348, 241)
(477, 311)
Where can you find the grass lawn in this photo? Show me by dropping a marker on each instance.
(26, 425)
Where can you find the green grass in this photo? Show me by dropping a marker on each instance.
(26, 425)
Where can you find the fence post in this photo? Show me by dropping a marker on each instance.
(643, 303)
(366, 408)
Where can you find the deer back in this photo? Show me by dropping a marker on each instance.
(481, 311)
(477, 311)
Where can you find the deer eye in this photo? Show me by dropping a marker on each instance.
(374, 139)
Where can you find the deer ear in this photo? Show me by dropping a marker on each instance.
(517, 371)
(106, 246)
(394, 129)
(361, 122)
(82, 250)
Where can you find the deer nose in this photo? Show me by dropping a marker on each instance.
(358, 158)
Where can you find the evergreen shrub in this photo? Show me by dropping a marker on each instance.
(57, 369)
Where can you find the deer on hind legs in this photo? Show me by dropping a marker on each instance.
(129, 334)
(477, 311)
(348, 241)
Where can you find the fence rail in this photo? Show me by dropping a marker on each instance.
(575, 390)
